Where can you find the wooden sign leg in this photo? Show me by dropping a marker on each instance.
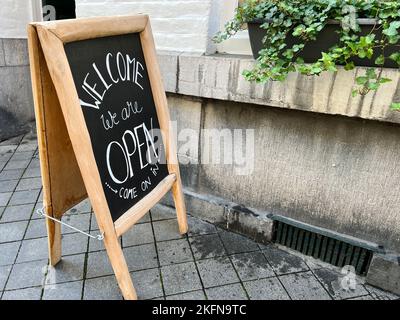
(179, 200)
(54, 241)
(120, 267)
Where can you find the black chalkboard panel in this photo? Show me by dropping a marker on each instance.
(115, 95)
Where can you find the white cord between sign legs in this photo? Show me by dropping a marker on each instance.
(99, 237)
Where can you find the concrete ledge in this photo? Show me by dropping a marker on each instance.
(228, 215)
(384, 272)
(220, 77)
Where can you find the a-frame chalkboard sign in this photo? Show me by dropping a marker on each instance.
(103, 127)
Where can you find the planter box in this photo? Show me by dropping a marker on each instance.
(326, 39)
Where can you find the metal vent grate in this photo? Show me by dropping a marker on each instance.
(322, 247)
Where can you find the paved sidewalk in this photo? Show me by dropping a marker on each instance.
(209, 263)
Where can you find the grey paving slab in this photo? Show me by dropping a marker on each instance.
(8, 252)
(70, 268)
(23, 294)
(194, 295)
(4, 273)
(33, 249)
(147, 284)
(11, 174)
(174, 251)
(338, 286)
(166, 230)
(12, 231)
(82, 207)
(36, 229)
(138, 234)
(266, 289)
(283, 262)
(229, 292)
(14, 141)
(74, 243)
(63, 291)
(29, 184)
(200, 227)
(217, 272)
(379, 294)
(94, 244)
(1, 212)
(79, 221)
(104, 288)
(180, 278)
(24, 197)
(7, 149)
(141, 257)
(8, 185)
(26, 147)
(93, 223)
(38, 205)
(207, 246)
(161, 212)
(304, 286)
(28, 274)
(4, 198)
(35, 163)
(25, 155)
(98, 265)
(16, 164)
(17, 213)
(2, 164)
(4, 157)
(367, 297)
(31, 173)
(252, 266)
(235, 243)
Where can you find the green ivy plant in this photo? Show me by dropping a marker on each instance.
(304, 19)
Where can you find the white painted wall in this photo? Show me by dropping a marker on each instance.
(15, 15)
(178, 25)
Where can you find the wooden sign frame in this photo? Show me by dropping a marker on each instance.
(68, 166)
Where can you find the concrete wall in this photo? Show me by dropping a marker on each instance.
(16, 106)
(329, 171)
(16, 102)
(14, 16)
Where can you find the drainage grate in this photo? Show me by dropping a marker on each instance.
(322, 247)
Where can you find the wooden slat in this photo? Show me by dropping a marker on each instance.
(88, 28)
(135, 213)
(160, 100)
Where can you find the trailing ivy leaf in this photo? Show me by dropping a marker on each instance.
(373, 85)
(361, 80)
(384, 80)
(371, 74)
(395, 57)
(395, 106)
(380, 60)
(392, 29)
(349, 66)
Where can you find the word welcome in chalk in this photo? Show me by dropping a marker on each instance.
(128, 69)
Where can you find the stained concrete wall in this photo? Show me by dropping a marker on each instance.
(16, 102)
(329, 171)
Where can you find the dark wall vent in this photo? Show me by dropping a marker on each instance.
(328, 249)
